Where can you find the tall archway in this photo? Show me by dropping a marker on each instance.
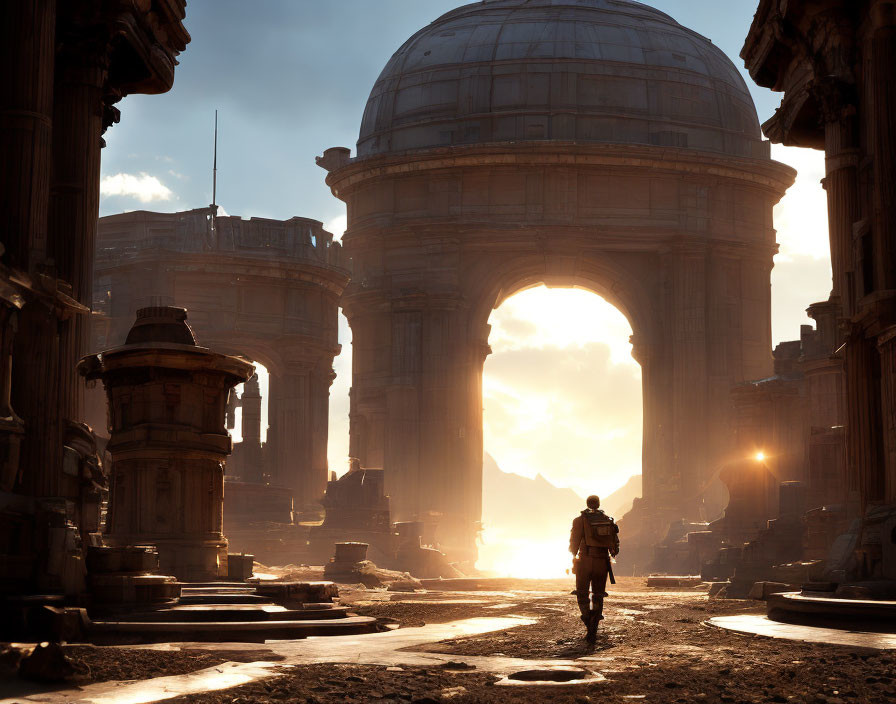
(562, 406)
(518, 142)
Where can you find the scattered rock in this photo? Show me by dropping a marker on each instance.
(554, 674)
(457, 665)
(47, 663)
(405, 585)
(10, 657)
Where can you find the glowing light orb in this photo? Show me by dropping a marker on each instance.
(760, 456)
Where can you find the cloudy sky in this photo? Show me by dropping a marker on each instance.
(290, 79)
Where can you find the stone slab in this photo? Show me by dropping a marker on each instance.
(664, 581)
(753, 624)
(878, 611)
(231, 631)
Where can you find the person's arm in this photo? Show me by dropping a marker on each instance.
(575, 536)
(615, 550)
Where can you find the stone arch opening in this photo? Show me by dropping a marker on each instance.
(562, 406)
(467, 187)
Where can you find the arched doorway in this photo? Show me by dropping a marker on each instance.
(497, 153)
(562, 419)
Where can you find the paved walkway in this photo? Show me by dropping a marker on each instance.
(390, 648)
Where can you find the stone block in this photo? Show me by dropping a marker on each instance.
(240, 566)
(142, 559)
(134, 589)
(298, 592)
(762, 590)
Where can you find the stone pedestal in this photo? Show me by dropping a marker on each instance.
(167, 399)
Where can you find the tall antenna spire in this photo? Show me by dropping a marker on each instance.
(215, 171)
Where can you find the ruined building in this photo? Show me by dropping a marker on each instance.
(66, 65)
(833, 60)
(264, 289)
(595, 144)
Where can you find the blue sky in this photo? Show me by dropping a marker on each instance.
(291, 78)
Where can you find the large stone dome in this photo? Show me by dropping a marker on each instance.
(592, 71)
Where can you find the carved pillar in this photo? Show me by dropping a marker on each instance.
(653, 435)
(250, 402)
(836, 99)
(297, 411)
(27, 43)
(864, 441)
(887, 347)
(82, 70)
(450, 466)
(405, 480)
(689, 372)
(252, 468)
(27, 50)
(11, 426)
(881, 106)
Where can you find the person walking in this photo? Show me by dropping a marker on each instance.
(594, 538)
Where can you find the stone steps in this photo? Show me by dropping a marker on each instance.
(212, 598)
(233, 613)
(230, 612)
(230, 631)
(820, 607)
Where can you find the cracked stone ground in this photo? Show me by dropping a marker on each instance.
(654, 646)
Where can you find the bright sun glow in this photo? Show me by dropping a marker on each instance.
(561, 398)
(524, 558)
(760, 456)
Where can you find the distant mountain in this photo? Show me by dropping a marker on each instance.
(620, 501)
(530, 505)
(512, 501)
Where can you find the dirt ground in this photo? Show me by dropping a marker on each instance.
(654, 646)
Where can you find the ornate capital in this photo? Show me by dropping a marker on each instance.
(836, 98)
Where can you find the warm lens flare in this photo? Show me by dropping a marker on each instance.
(509, 556)
(760, 456)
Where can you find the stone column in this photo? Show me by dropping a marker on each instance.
(882, 121)
(251, 458)
(654, 456)
(689, 372)
(887, 347)
(250, 402)
(836, 100)
(27, 43)
(79, 110)
(298, 407)
(881, 106)
(450, 465)
(863, 398)
(11, 426)
(27, 52)
(403, 422)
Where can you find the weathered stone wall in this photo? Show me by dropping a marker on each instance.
(266, 289)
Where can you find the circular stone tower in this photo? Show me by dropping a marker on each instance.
(589, 143)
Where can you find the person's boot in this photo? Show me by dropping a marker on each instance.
(593, 621)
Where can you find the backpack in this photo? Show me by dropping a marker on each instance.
(600, 530)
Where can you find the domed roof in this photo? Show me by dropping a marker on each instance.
(604, 71)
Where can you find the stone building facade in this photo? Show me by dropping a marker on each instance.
(599, 145)
(834, 60)
(265, 289)
(66, 65)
